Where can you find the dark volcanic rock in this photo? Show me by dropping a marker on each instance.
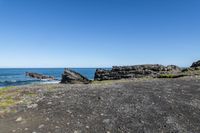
(137, 71)
(72, 77)
(39, 76)
(196, 64)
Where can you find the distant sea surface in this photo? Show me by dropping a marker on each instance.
(16, 76)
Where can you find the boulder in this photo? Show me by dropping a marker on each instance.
(137, 71)
(39, 76)
(72, 77)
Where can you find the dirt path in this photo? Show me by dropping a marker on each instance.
(147, 106)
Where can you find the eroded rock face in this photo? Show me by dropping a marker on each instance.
(196, 64)
(72, 77)
(39, 76)
(137, 71)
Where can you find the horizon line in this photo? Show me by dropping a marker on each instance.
(78, 67)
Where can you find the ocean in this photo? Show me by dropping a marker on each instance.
(16, 76)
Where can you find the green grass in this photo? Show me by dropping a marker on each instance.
(170, 76)
(8, 102)
(6, 88)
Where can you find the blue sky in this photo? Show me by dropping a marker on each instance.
(98, 33)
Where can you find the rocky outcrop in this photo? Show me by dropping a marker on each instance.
(72, 77)
(196, 64)
(39, 76)
(137, 71)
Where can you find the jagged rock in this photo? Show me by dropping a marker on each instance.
(72, 77)
(196, 64)
(137, 71)
(39, 76)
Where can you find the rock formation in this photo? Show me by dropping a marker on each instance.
(72, 77)
(39, 76)
(196, 64)
(137, 71)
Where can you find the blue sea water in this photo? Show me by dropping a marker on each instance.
(16, 76)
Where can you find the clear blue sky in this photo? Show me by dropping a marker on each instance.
(98, 33)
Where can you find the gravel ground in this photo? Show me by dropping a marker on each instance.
(135, 106)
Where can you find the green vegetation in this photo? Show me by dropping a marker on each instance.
(6, 88)
(109, 81)
(7, 103)
(170, 76)
(8, 99)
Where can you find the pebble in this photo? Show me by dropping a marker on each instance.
(19, 119)
(57, 127)
(87, 127)
(41, 126)
(32, 106)
(107, 121)
(68, 111)
(49, 103)
(26, 129)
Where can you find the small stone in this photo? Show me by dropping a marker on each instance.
(19, 119)
(32, 106)
(49, 103)
(87, 127)
(13, 131)
(41, 126)
(69, 111)
(57, 127)
(107, 121)
(26, 129)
